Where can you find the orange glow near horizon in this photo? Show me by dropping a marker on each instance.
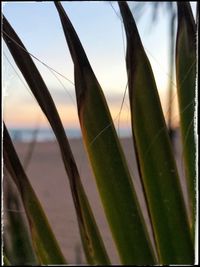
(105, 49)
(30, 115)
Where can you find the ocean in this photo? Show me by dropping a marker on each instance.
(40, 134)
(46, 134)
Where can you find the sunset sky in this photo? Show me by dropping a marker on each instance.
(100, 31)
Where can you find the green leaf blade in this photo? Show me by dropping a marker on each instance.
(90, 235)
(44, 242)
(6, 261)
(155, 158)
(17, 243)
(107, 159)
(186, 84)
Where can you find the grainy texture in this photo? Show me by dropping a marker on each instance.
(48, 178)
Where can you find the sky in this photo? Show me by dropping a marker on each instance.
(102, 35)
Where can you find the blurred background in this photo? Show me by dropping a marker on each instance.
(101, 32)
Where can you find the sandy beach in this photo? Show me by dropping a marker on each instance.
(50, 182)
